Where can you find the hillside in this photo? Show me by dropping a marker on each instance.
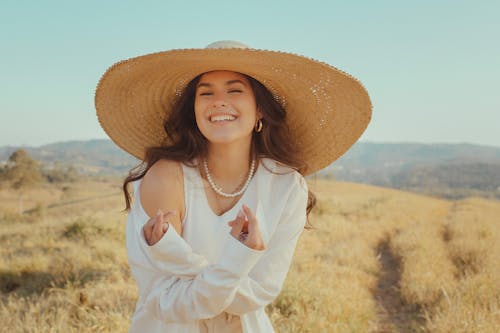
(100, 157)
(378, 260)
(444, 170)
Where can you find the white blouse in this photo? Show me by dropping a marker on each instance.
(206, 280)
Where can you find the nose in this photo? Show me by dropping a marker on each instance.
(219, 103)
(219, 98)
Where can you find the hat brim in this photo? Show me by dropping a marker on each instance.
(327, 109)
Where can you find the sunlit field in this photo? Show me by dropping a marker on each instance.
(377, 260)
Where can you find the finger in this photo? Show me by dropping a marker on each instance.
(252, 220)
(243, 229)
(254, 238)
(245, 224)
(237, 226)
(149, 225)
(158, 226)
(147, 233)
(148, 228)
(165, 223)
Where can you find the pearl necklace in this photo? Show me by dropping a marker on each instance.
(219, 191)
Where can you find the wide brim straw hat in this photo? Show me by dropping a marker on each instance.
(327, 109)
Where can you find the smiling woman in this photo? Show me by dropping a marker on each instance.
(225, 107)
(226, 135)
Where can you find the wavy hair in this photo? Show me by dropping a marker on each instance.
(186, 142)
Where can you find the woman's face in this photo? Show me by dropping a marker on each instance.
(225, 107)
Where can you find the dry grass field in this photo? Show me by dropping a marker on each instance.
(377, 260)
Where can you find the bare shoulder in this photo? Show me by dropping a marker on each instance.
(163, 188)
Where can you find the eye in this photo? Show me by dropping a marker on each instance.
(235, 91)
(205, 93)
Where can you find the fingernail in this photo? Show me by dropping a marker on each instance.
(243, 215)
(159, 212)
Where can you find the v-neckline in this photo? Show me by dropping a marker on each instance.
(236, 204)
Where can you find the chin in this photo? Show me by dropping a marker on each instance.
(227, 138)
(222, 140)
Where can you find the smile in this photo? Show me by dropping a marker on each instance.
(219, 118)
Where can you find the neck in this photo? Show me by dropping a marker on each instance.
(228, 163)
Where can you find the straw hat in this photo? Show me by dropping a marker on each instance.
(327, 109)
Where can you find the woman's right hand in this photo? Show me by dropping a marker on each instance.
(246, 230)
(156, 227)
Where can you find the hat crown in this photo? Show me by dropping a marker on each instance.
(227, 44)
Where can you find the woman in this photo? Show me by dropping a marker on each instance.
(240, 129)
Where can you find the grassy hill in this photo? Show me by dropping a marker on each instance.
(444, 170)
(377, 260)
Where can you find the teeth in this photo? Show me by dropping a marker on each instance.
(222, 118)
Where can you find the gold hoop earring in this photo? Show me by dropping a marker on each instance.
(258, 126)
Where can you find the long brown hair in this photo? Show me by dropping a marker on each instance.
(187, 142)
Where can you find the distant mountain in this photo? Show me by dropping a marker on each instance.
(99, 157)
(450, 170)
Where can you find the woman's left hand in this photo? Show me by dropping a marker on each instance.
(245, 228)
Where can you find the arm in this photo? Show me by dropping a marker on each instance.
(161, 188)
(170, 294)
(171, 255)
(208, 293)
(265, 280)
(176, 284)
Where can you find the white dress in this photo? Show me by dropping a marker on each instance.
(206, 280)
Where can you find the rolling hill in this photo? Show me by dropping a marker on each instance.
(446, 170)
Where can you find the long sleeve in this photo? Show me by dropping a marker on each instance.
(179, 286)
(170, 257)
(184, 287)
(209, 292)
(266, 279)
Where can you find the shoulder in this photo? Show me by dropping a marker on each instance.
(163, 171)
(287, 193)
(284, 176)
(162, 187)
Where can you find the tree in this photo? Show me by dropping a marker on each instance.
(3, 171)
(22, 172)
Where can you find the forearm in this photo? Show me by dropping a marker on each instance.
(207, 294)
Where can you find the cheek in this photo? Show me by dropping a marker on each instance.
(198, 110)
(199, 120)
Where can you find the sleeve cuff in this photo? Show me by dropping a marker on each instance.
(238, 258)
(171, 245)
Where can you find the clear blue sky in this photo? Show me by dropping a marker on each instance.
(432, 68)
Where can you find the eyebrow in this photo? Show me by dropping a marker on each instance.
(208, 85)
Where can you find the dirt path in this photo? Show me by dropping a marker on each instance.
(394, 314)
